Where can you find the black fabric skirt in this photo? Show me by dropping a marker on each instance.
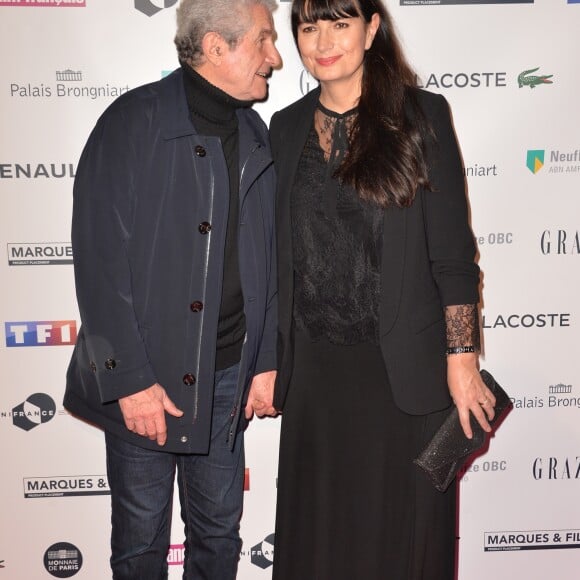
(351, 504)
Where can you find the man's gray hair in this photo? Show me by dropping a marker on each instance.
(229, 18)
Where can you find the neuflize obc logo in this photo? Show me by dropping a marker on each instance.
(535, 160)
(41, 333)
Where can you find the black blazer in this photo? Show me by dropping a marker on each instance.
(427, 261)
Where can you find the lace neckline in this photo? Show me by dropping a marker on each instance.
(334, 114)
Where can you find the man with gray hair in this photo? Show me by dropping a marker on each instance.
(173, 239)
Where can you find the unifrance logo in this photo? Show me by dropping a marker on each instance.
(527, 79)
(262, 554)
(535, 160)
(150, 8)
(45, 333)
(63, 560)
(36, 410)
(45, 3)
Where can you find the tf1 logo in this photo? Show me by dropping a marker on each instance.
(45, 333)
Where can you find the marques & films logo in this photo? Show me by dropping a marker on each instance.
(66, 486)
(40, 254)
(530, 540)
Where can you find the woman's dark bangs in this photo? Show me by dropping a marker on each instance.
(313, 10)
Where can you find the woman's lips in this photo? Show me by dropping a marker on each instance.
(327, 61)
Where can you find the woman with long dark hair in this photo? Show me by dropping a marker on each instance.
(378, 294)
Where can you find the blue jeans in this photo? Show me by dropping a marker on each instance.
(210, 492)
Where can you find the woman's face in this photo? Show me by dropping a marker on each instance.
(333, 50)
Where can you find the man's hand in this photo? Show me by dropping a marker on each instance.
(144, 412)
(261, 397)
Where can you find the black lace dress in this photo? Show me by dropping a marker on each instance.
(351, 505)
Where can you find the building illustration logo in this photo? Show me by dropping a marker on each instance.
(535, 160)
(527, 79)
(69, 75)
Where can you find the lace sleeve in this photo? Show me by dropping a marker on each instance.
(462, 323)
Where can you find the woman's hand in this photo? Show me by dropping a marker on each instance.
(469, 392)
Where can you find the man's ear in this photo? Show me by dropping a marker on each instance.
(214, 47)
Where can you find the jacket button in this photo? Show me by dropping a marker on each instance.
(196, 306)
(184, 439)
(189, 379)
(200, 151)
(93, 367)
(110, 364)
(204, 228)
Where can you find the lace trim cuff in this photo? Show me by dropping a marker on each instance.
(463, 334)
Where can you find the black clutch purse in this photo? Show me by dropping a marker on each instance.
(449, 447)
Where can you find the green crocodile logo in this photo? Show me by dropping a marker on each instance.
(533, 81)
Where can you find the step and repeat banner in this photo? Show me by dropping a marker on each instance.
(509, 70)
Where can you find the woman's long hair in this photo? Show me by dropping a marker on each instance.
(385, 162)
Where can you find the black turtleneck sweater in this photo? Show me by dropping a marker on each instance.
(213, 113)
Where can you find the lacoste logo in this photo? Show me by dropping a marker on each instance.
(534, 80)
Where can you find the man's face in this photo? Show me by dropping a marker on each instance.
(244, 69)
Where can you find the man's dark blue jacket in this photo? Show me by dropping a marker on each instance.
(148, 234)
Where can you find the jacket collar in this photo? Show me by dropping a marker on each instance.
(176, 118)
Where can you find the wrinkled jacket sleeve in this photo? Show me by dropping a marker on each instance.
(450, 240)
(103, 198)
